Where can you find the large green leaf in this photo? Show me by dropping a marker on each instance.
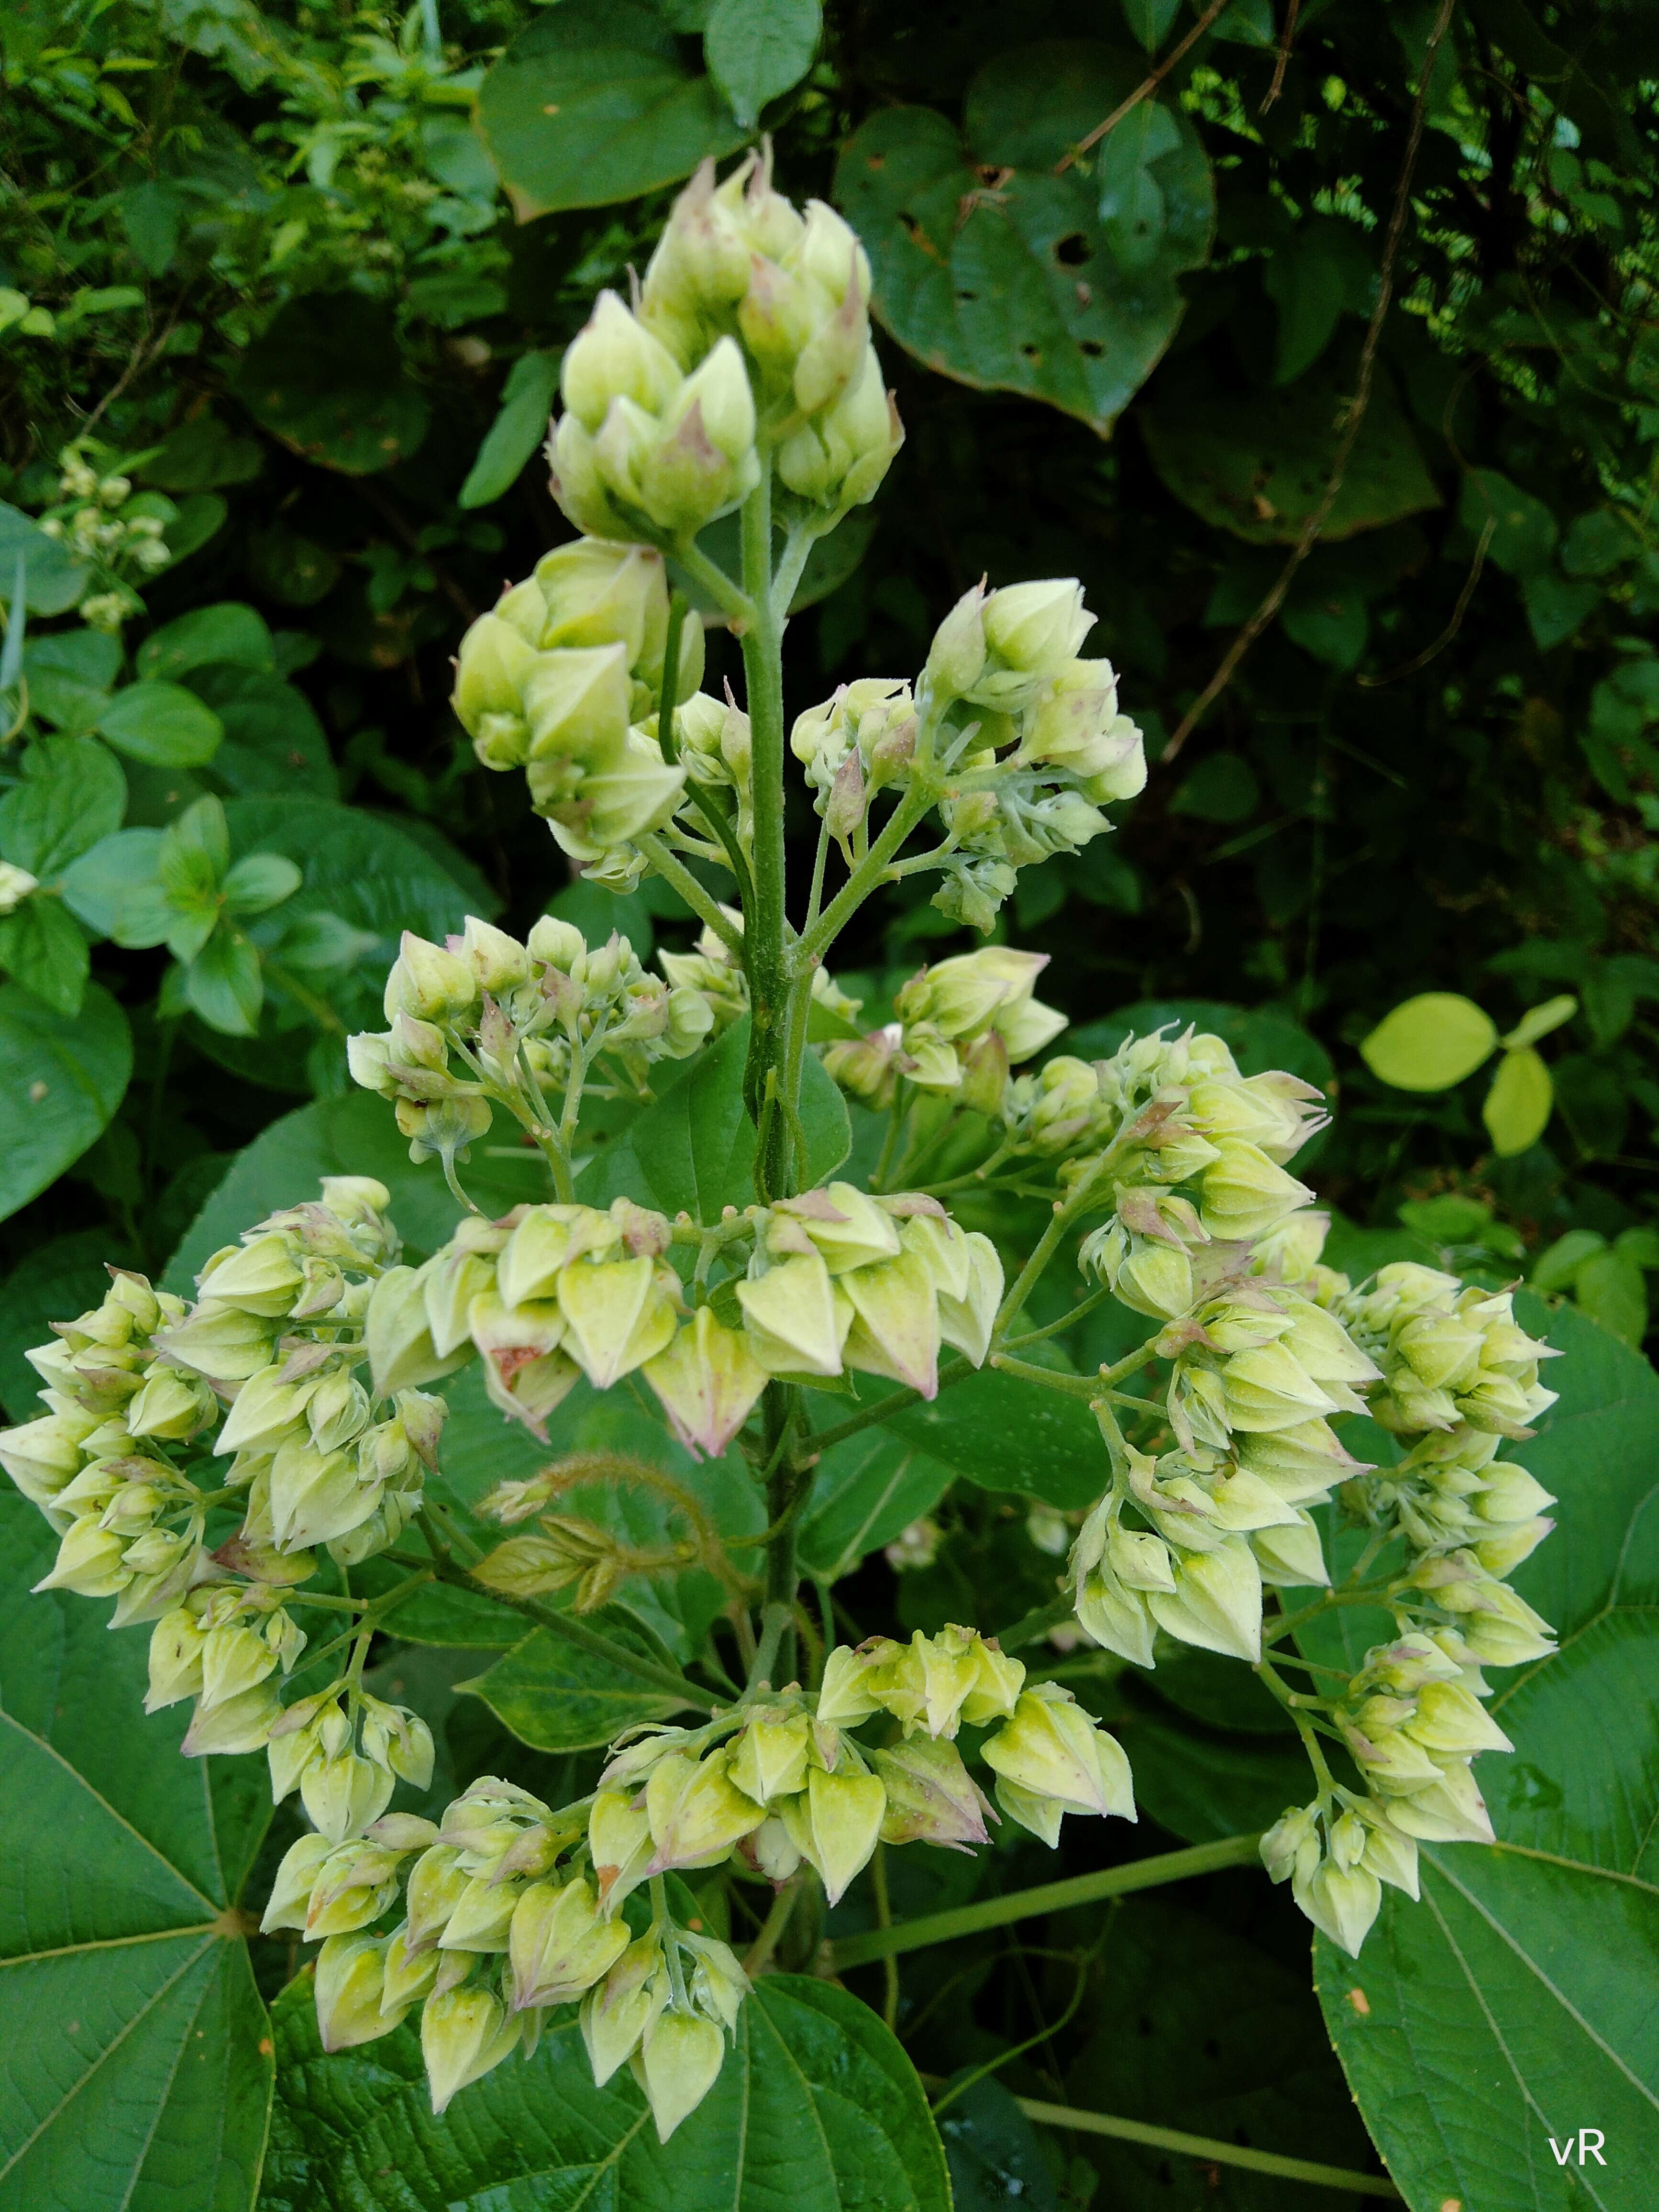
(817, 2108)
(51, 1283)
(1200, 2028)
(864, 1491)
(1006, 1434)
(596, 103)
(273, 741)
(327, 379)
(991, 269)
(61, 1079)
(695, 1148)
(1515, 2004)
(758, 50)
(53, 580)
(354, 1135)
(135, 2062)
(1259, 466)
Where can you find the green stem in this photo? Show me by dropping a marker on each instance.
(1049, 1897)
(1208, 2150)
(730, 598)
(1086, 1387)
(864, 878)
(1036, 1624)
(1288, 1623)
(775, 1619)
(668, 695)
(896, 1401)
(884, 1905)
(765, 928)
(674, 871)
(760, 1951)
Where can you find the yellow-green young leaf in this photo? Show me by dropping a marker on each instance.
(1430, 1043)
(1517, 1108)
(1610, 1288)
(1538, 1021)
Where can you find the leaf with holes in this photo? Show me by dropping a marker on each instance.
(816, 2107)
(1514, 2003)
(135, 2057)
(1259, 465)
(991, 269)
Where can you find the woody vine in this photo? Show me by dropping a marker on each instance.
(219, 1467)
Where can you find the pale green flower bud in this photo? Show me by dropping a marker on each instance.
(234, 1657)
(481, 1917)
(175, 1659)
(956, 659)
(407, 1976)
(1052, 1749)
(836, 1825)
(895, 1327)
(89, 1563)
(1341, 1902)
(618, 1315)
(560, 1947)
(622, 1846)
(290, 1892)
(464, 1270)
(266, 1409)
(613, 356)
(603, 594)
(437, 1882)
(315, 1496)
(1291, 1847)
(677, 2065)
(863, 1068)
(636, 793)
(352, 1886)
(576, 705)
(490, 668)
(43, 1457)
(854, 1681)
(696, 1812)
(173, 1406)
(241, 1723)
(221, 1342)
(931, 1796)
(966, 1323)
(430, 983)
(15, 885)
(396, 1334)
(578, 484)
(768, 1759)
(839, 458)
(1217, 1600)
(1301, 1462)
(616, 2012)
(795, 1321)
(838, 349)
(463, 2033)
(499, 961)
(708, 1379)
(1291, 1555)
(1244, 1194)
(350, 1985)
(1449, 1811)
(1034, 630)
(1449, 1719)
(845, 1227)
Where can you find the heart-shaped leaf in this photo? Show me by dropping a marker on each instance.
(61, 1079)
(993, 268)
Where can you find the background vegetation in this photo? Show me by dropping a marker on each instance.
(1344, 392)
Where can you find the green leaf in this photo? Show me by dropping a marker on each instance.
(61, 1080)
(1529, 1966)
(695, 1148)
(1221, 788)
(224, 984)
(69, 675)
(201, 454)
(1314, 273)
(516, 431)
(1517, 1108)
(595, 104)
(161, 724)
(327, 379)
(262, 880)
(1016, 286)
(226, 632)
(1556, 607)
(1259, 466)
(864, 1491)
(53, 582)
(1429, 1043)
(1006, 1434)
(758, 50)
(273, 741)
(134, 2051)
(816, 2107)
(64, 1276)
(353, 1135)
(1539, 1021)
(1524, 530)
(1610, 1288)
(72, 793)
(1197, 2028)
(555, 1698)
(43, 947)
(116, 889)
(990, 2147)
(1558, 1263)
(1134, 214)
(1149, 21)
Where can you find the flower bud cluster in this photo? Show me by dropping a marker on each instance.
(222, 1644)
(97, 518)
(345, 1752)
(484, 1017)
(738, 265)
(561, 679)
(1448, 1354)
(1336, 1854)
(961, 1025)
(1027, 735)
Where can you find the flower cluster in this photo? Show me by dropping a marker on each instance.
(145, 1392)
(119, 534)
(961, 1025)
(833, 1280)
(485, 1017)
(562, 678)
(509, 1909)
